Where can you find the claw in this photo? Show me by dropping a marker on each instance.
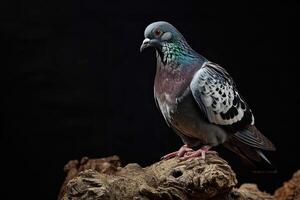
(181, 152)
(186, 153)
(200, 152)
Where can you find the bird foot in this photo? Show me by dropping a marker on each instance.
(200, 152)
(181, 152)
(185, 153)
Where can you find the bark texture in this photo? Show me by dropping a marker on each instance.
(193, 179)
(290, 189)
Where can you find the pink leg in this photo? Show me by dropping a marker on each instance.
(200, 152)
(181, 152)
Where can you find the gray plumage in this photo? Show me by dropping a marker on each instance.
(198, 98)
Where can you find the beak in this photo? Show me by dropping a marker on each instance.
(145, 44)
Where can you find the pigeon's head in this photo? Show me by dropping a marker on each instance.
(158, 33)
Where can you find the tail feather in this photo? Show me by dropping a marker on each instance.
(253, 137)
(253, 157)
(260, 153)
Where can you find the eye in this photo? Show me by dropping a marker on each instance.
(157, 32)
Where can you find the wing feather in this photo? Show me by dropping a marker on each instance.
(216, 94)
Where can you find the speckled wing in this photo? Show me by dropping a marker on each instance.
(216, 94)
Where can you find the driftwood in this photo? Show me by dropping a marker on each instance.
(193, 179)
(290, 190)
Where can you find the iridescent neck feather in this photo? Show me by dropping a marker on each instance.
(176, 53)
(176, 64)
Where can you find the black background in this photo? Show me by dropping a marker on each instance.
(74, 83)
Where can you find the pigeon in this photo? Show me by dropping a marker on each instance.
(199, 100)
